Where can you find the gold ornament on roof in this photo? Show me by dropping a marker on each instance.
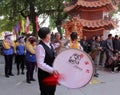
(74, 25)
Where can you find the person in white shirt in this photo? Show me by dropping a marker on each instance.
(45, 57)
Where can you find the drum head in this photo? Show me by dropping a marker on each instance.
(75, 67)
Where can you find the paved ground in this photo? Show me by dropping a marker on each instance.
(107, 84)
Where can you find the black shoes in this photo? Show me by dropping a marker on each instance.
(11, 74)
(32, 79)
(28, 82)
(96, 75)
(7, 76)
(22, 73)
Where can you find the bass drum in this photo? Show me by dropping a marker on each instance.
(75, 67)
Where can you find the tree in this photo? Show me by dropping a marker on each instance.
(14, 10)
(9, 9)
(58, 16)
(52, 8)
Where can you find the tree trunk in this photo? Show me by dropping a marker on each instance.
(59, 20)
(59, 29)
(33, 15)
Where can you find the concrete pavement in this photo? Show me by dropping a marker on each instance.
(106, 84)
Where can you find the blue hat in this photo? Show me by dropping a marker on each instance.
(19, 37)
(7, 34)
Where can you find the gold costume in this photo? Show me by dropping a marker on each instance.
(7, 45)
(29, 47)
(74, 44)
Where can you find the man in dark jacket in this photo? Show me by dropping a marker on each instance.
(97, 49)
(109, 48)
(84, 44)
(103, 52)
(116, 43)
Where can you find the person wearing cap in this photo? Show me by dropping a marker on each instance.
(45, 57)
(20, 54)
(30, 58)
(8, 51)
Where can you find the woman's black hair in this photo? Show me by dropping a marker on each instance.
(96, 37)
(109, 35)
(43, 32)
(32, 39)
(114, 52)
(73, 36)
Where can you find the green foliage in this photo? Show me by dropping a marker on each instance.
(119, 7)
(13, 10)
(10, 10)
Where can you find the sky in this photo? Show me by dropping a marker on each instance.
(1, 17)
(46, 24)
(116, 31)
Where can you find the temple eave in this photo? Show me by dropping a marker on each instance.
(98, 24)
(106, 5)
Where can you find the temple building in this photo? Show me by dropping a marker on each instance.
(94, 16)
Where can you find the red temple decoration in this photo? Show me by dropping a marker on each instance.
(93, 15)
(73, 25)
